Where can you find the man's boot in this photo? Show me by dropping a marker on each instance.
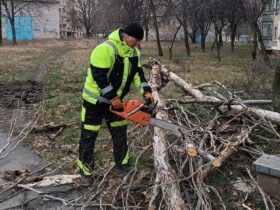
(86, 181)
(86, 174)
(126, 168)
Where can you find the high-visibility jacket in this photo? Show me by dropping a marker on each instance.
(114, 66)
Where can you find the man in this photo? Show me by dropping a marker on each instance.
(114, 66)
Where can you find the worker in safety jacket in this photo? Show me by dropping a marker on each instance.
(114, 66)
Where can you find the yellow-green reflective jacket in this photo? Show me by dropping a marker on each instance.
(114, 66)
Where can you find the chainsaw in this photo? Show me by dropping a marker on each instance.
(136, 111)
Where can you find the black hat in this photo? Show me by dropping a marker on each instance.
(134, 30)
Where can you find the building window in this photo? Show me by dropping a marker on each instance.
(267, 31)
(276, 33)
(277, 6)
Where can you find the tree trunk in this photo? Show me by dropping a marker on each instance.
(185, 27)
(232, 37)
(203, 38)
(213, 45)
(255, 46)
(173, 40)
(221, 39)
(11, 16)
(146, 23)
(265, 56)
(13, 23)
(218, 49)
(276, 89)
(160, 53)
(193, 36)
(1, 37)
(166, 176)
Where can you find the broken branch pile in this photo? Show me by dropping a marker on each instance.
(207, 146)
(219, 124)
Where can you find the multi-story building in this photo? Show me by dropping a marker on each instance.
(270, 27)
(68, 21)
(276, 28)
(266, 25)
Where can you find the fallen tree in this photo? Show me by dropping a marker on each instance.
(182, 164)
(165, 175)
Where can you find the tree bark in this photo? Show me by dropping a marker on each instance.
(232, 36)
(203, 38)
(255, 46)
(11, 16)
(185, 27)
(173, 40)
(160, 53)
(165, 174)
(232, 148)
(13, 22)
(276, 89)
(217, 42)
(221, 39)
(1, 37)
(146, 23)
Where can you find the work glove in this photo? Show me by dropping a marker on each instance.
(117, 104)
(149, 98)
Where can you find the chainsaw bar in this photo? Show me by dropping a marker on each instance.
(167, 126)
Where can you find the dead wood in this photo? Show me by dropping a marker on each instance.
(230, 148)
(165, 174)
(198, 95)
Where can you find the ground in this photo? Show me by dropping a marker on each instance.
(46, 77)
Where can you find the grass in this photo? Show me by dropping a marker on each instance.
(66, 74)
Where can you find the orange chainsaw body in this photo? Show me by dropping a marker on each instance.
(138, 116)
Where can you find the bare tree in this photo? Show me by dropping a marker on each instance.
(146, 19)
(253, 9)
(74, 20)
(185, 26)
(160, 53)
(14, 7)
(276, 89)
(203, 19)
(234, 16)
(217, 13)
(10, 12)
(133, 10)
(86, 14)
(193, 29)
(1, 37)
(173, 39)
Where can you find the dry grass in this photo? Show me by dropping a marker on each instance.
(62, 87)
(66, 74)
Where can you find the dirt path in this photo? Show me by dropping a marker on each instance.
(13, 155)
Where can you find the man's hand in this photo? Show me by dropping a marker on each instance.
(149, 97)
(117, 104)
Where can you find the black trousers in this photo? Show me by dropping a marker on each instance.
(92, 116)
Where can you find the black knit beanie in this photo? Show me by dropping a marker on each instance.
(134, 30)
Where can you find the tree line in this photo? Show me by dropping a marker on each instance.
(193, 16)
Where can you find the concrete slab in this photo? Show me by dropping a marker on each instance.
(18, 158)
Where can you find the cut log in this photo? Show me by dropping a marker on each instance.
(231, 148)
(55, 180)
(165, 174)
